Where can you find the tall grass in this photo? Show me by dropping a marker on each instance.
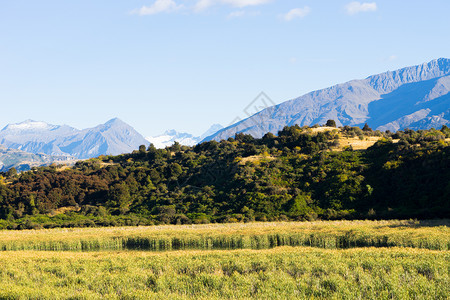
(282, 273)
(434, 235)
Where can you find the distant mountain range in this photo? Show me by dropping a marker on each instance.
(114, 137)
(169, 137)
(36, 143)
(414, 97)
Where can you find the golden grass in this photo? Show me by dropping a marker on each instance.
(356, 143)
(323, 234)
(256, 158)
(281, 273)
(204, 273)
(63, 210)
(322, 129)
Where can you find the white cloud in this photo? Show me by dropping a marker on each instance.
(356, 7)
(244, 3)
(158, 7)
(167, 6)
(297, 13)
(204, 4)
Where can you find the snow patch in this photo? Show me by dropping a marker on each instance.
(29, 125)
(169, 137)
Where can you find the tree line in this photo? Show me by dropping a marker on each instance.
(295, 175)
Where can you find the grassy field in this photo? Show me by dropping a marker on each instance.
(433, 235)
(281, 273)
(319, 260)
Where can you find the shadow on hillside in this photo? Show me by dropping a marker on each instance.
(408, 99)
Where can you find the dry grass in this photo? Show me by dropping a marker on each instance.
(256, 158)
(356, 143)
(278, 273)
(323, 129)
(63, 210)
(282, 273)
(61, 168)
(323, 234)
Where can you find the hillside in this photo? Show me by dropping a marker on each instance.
(415, 97)
(303, 173)
(23, 161)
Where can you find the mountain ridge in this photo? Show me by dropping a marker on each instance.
(362, 101)
(113, 137)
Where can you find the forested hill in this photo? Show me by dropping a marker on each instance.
(301, 174)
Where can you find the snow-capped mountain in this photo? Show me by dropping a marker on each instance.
(169, 137)
(113, 137)
(415, 97)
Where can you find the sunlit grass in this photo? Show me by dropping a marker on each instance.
(433, 235)
(281, 273)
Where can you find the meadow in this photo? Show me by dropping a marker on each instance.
(280, 273)
(302, 260)
(433, 235)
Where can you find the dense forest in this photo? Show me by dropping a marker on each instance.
(297, 175)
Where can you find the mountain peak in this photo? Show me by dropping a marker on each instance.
(443, 64)
(212, 130)
(115, 124)
(412, 97)
(443, 59)
(113, 137)
(115, 121)
(391, 80)
(172, 132)
(29, 125)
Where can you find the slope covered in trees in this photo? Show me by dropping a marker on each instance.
(297, 175)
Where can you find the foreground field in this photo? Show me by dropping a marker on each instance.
(282, 273)
(303, 260)
(434, 235)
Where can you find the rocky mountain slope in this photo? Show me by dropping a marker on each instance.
(414, 97)
(114, 137)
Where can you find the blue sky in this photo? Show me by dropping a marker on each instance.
(186, 64)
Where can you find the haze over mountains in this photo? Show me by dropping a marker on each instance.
(414, 97)
(114, 137)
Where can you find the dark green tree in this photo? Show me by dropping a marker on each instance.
(366, 127)
(331, 123)
(11, 172)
